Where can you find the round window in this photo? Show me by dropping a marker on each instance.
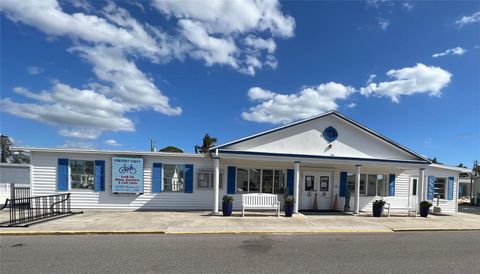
(330, 134)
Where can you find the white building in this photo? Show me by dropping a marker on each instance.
(329, 154)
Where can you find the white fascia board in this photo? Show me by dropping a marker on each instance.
(112, 152)
(454, 168)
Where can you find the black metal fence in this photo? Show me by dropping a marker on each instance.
(28, 210)
(20, 192)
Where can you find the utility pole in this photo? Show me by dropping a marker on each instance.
(472, 185)
(153, 145)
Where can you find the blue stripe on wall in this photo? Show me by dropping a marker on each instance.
(231, 177)
(188, 179)
(391, 184)
(99, 175)
(451, 183)
(157, 178)
(62, 175)
(290, 181)
(343, 184)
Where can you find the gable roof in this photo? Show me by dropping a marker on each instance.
(335, 113)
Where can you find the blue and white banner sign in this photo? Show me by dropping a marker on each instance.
(127, 175)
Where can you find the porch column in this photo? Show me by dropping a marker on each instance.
(357, 189)
(296, 186)
(216, 180)
(420, 186)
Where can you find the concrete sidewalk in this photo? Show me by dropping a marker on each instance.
(97, 222)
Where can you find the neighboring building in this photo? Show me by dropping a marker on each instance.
(464, 185)
(319, 155)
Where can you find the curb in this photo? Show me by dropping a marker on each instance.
(433, 229)
(146, 232)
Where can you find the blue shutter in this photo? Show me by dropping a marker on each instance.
(231, 177)
(188, 188)
(391, 184)
(451, 182)
(99, 175)
(290, 181)
(62, 175)
(157, 178)
(431, 187)
(343, 183)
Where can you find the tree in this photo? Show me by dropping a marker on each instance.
(476, 168)
(6, 144)
(171, 149)
(208, 143)
(12, 157)
(435, 161)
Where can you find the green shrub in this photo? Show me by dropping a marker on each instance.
(425, 204)
(228, 199)
(289, 200)
(379, 203)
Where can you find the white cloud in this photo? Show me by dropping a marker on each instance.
(79, 113)
(370, 78)
(33, 70)
(407, 5)
(81, 133)
(352, 105)
(77, 145)
(130, 86)
(453, 51)
(474, 18)
(279, 108)
(410, 80)
(227, 32)
(112, 142)
(383, 23)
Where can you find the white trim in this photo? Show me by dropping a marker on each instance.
(454, 168)
(112, 152)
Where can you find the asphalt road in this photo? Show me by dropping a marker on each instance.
(420, 252)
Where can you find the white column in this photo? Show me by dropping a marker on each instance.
(216, 180)
(420, 186)
(357, 189)
(296, 186)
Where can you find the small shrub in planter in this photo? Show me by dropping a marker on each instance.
(377, 208)
(227, 205)
(289, 204)
(424, 208)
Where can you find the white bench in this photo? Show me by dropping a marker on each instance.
(401, 203)
(260, 201)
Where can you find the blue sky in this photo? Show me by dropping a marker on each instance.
(113, 75)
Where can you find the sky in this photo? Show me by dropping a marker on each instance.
(113, 75)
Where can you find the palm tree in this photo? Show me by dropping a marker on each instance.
(208, 142)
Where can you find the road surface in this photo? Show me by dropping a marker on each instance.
(419, 252)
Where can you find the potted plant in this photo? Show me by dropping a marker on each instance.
(377, 208)
(289, 204)
(424, 208)
(227, 205)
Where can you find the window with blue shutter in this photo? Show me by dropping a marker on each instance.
(157, 178)
(431, 187)
(231, 178)
(188, 179)
(290, 181)
(391, 184)
(451, 183)
(99, 175)
(343, 183)
(62, 175)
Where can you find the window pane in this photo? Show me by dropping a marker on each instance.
(351, 183)
(439, 190)
(372, 180)
(81, 174)
(381, 185)
(173, 177)
(414, 187)
(203, 180)
(254, 185)
(242, 179)
(267, 181)
(279, 181)
(363, 179)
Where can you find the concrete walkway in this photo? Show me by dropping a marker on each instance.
(204, 222)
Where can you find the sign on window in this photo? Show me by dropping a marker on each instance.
(127, 175)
